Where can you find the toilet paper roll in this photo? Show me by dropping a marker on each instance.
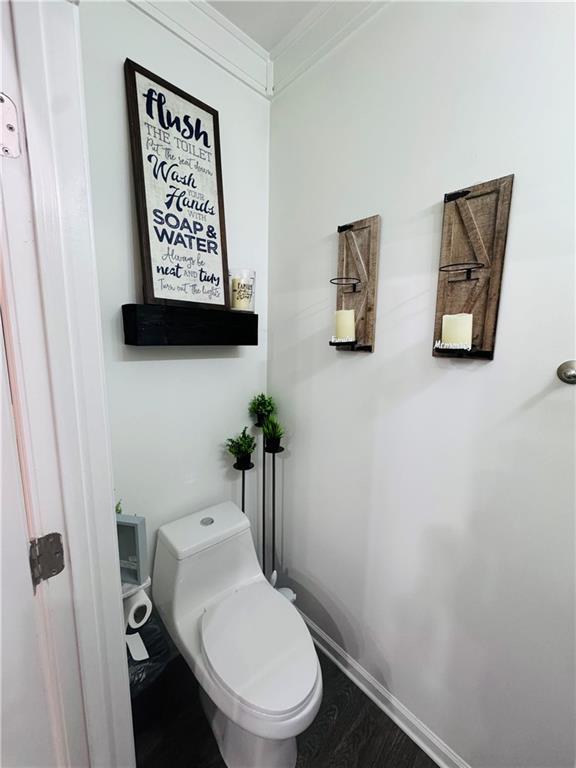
(137, 610)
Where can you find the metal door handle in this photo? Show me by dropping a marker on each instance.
(567, 372)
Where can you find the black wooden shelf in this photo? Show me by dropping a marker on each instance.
(148, 325)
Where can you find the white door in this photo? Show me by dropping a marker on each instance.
(30, 729)
(43, 722)
(46, 712)
(64, 678)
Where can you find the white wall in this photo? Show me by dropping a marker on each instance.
(171, 408)
(428, 504)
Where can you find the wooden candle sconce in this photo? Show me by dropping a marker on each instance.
(357, 281)
(474, 233)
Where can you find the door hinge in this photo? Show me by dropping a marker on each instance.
(46, 557)
(9, 133)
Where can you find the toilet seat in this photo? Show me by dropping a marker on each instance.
(258, 648)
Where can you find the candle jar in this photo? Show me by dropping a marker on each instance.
(242, 294)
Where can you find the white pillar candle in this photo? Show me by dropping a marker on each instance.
(457, 330)
(346, 324)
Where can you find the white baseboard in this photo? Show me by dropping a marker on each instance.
(440, 752)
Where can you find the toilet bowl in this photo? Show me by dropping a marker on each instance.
(247, 645)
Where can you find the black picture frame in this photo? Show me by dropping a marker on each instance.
(143, 203)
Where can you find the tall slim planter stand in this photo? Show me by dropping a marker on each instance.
(243, 464)
(273, 447)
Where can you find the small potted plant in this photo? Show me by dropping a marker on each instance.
(261, 407)
(241, 447)
(273, 432)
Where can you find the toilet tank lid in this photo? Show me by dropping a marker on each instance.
(200, 530)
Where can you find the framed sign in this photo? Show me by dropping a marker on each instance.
(178, 179)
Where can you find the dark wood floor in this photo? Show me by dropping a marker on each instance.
(349, 731)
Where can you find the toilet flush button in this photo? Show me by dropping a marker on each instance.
(207, 521)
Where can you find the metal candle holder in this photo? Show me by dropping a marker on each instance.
(474, 231)
(463, 266)
(357, 270)
(354, 283)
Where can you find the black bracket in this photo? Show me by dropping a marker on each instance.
(451, 196)
(353, 282)
(467, 267)
(352, 346)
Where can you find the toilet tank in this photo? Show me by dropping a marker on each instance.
(200, 557)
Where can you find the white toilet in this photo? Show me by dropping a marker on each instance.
(247, 645)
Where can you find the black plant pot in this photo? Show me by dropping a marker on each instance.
(260, 419)
(272, 444)
(244, 462)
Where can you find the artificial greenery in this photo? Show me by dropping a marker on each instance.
(262, 406)
(118, 507)
(241, 445)
(272, 428)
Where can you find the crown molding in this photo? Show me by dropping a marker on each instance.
(210, 33)
(297, 32)
(201, 26)
(318, 33)
(228, 25)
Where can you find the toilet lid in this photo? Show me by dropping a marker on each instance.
(259, 648)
